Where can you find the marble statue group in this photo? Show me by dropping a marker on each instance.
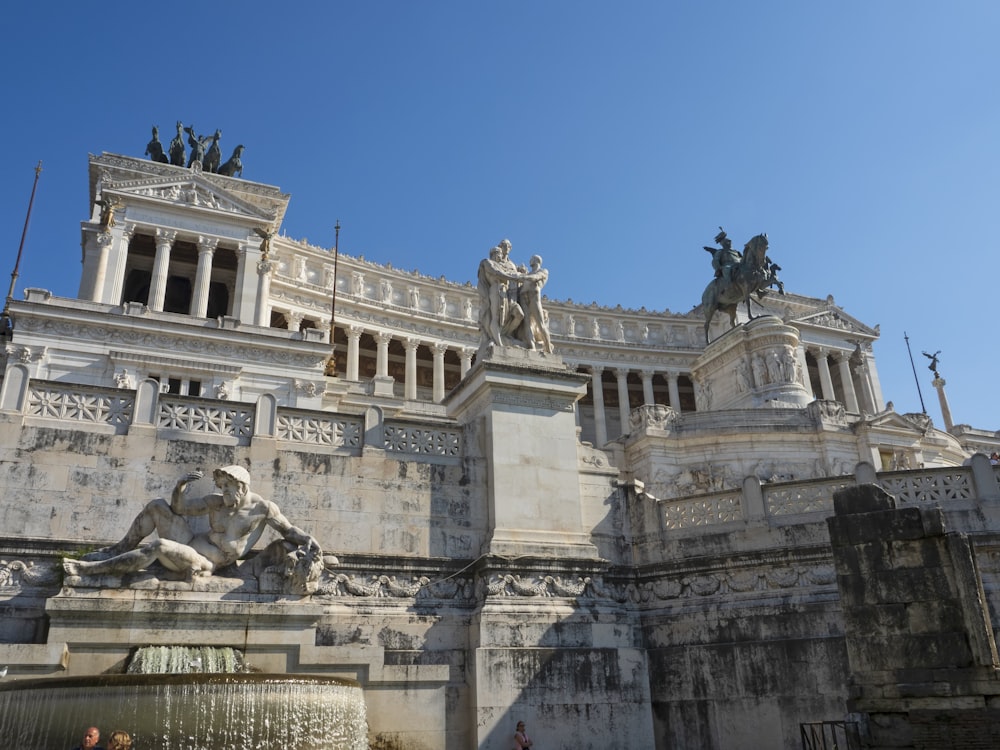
(510, 302)
(205, 151)
(237, 517)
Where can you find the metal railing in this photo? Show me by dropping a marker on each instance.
(831, 735)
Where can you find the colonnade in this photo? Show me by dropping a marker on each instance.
(858, 392)
(108, 257)
(842, 375)
(625, 403)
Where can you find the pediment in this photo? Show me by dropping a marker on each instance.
(190, 191)
(890, 419)
(834, 318)
(163, 184)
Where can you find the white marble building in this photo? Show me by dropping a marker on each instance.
(564, 538)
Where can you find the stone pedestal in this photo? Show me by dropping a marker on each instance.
(521, 402)
(920, 643)
(751, 367)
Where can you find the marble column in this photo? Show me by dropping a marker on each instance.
(939, 384)
(410, 386)
(262, 314)
(647, 387)
(465, 358)
(203, 276)
(353, 351)
(850, 397)
(623, 406)
(438, 349)
(600, 425)
(111, 289)
(293, 321)
(866, 397)
(825, 381)
(674, 392)
(161, 269)
(382, 339)
(96, 247)
(247, 283)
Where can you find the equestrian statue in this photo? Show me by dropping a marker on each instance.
(737, 277)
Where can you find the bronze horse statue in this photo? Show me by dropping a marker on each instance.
(235, 165)
(754, 274)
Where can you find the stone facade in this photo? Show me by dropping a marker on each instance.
(623, 543)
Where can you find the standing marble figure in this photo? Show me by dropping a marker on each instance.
(510, 302)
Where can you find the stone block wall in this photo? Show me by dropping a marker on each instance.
(920, 645)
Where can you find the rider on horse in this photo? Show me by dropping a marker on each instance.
(724, 258)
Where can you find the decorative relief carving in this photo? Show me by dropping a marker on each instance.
(221, 350)
(703, 511)
(400, 438)
(939, 487)
(389, 586)
(542, 403)
(501, 585)
(16, 575)
(235, 420)
(83, 405)
(801, 498)
(656, 416)
(319, 429)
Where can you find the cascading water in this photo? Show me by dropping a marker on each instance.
(233, 710)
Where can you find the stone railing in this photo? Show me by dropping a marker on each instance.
(206, 416)
(792, 502)
(230, 422)
(401, 437)
(80, 404)
(319, 428)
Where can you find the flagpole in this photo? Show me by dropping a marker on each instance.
(331, 369)
(20, 250)
(923, 408)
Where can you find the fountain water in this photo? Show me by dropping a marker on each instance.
(236, 710)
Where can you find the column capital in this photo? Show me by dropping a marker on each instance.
(621, 372)
(207, 244)
(439, 347)
(411, 344)
(165, 235)
(383, 337)
(354, 331)
(264, 267)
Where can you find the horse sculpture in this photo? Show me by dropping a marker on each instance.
(754, 274)
(214, 155)
(234, 165)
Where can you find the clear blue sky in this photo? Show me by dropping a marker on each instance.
(611, 138)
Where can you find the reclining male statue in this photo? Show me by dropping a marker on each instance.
(237, 518)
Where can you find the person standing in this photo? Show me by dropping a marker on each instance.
(521, 739)
(90, 739)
